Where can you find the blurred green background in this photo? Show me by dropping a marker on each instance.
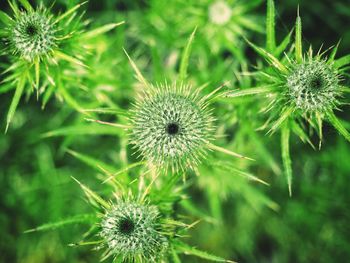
(253, 223)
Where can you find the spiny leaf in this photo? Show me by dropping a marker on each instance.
(85, 218)
(83, 129)
(284, 116)
(268, 57)
(26, 5)
(139, 75)
(101, 30)
(18, 94)
(92, 162)
(341, 62)
(251, 91)
(338, 125)
(188, 250)
(287, 162)
(298, 39)
(5, 18)
(333, 53)
(285, 42)
(93, 198)
(68, 58)
(228, 152)
(270, 27)
(185, 57)
(68, 12)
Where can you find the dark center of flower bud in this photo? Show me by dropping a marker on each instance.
(31, 30)
(126, 226)
(316, 83)
(172, 128)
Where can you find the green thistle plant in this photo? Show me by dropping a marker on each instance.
(299, 88)
(132, 231)
(172, 126)
(32, 35)
(137, 226)
(39, 45)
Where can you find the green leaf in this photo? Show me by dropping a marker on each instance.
(92, 162)
(83, 129)
(268, 57)
(185, 57)
(139, 75)
(26, 5)
(101, 30)
(93, 198)
(283, 117)
(341, 62)
(285, 42)
(5, 18)
(338, 125)
(333, 53)
(251, 91)
(85, 218)
(188, 250)
(69, 12)
(68, 58)
(298, 40)
(287, 162)
(16, 98)
(270, 27)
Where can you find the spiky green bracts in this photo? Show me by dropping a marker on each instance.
(39, 44)
(32, 34)
(133, 231)
(137, 228)
(172, 126)
(299, 88)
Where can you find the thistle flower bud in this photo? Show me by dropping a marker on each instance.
(32, 35)
(313, 86)
(132, 231)
(172, 126)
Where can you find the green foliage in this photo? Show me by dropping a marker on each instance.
(131, 155)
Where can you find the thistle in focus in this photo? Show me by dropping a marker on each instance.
(301, 88)
(132, 231)
(44, 51)
(138, 225)
(172, 126)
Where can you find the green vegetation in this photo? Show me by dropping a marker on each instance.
(174, 131)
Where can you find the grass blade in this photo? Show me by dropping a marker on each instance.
(270, 27)
(287, 162)
(185, 57)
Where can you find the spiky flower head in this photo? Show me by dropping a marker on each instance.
(32, 34)
(132, 230)
(172, 126)
(313, 86)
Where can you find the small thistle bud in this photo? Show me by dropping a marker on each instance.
(32, 35)
(132, 231)
(220, 13)
(172, 126)
(313, 86)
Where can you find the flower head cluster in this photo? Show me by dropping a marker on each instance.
(32, 34)
(172, 126)
(132, 230)
(313, 86)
